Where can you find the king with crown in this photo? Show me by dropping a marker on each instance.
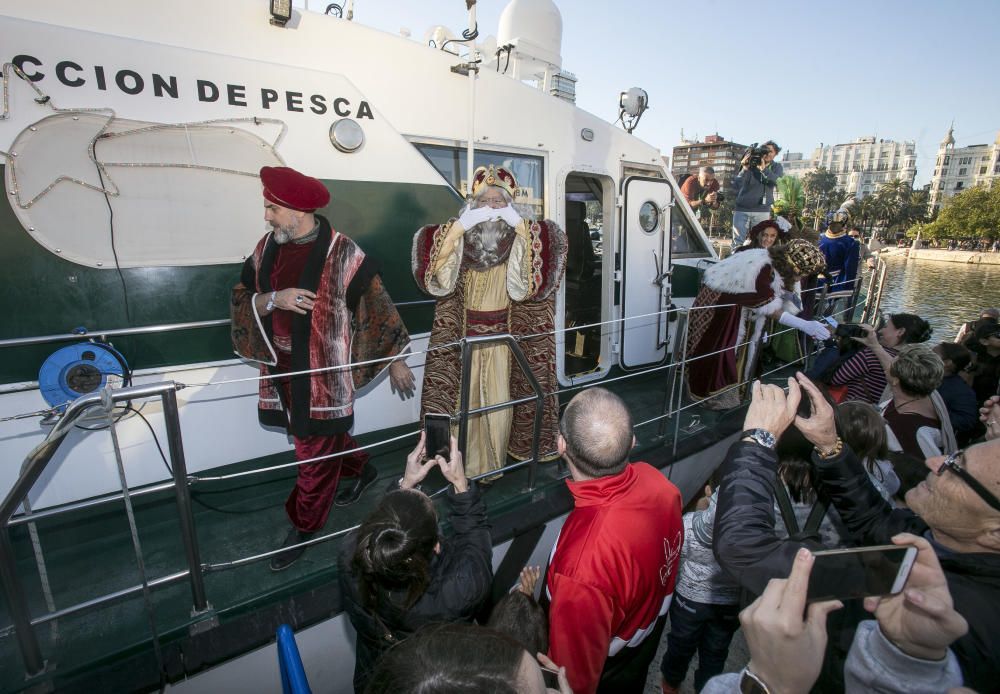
(492, 271)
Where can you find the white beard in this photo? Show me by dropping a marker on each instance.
(483, 242)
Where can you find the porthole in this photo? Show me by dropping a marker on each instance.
(346, 135)
(649, 216)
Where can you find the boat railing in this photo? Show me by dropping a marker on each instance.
(35, 464)
(86, 334)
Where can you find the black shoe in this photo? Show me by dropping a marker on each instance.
(352, 488)
(280, 562)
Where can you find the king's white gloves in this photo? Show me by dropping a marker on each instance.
(812, 328)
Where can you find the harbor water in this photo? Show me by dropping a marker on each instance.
(944, 294)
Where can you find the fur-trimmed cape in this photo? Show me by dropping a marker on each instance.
(727, 319)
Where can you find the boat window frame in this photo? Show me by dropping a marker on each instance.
(497, 149)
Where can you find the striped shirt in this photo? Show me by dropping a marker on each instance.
(863, 375)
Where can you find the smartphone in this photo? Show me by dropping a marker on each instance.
(551, 678)
(437, 441)
(843, 574)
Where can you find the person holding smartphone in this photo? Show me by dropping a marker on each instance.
(905, 649)
(956, 509)
(397, 574)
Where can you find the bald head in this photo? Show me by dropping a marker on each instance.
(596, 428)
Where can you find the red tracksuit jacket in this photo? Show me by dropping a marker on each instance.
(612, 569)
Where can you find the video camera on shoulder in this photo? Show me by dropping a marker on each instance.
(755, 154)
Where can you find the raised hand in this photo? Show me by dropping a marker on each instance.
(820, 427)
(921, 620)
(786, 651)
(771, 409)
(416, 467)
(453, 469)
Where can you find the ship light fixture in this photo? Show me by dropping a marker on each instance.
(631, 105)
(347, 135)
(587, 134)
(281, 12)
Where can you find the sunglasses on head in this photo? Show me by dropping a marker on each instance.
(952, 463)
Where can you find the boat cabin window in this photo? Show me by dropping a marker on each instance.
(685, 242)
(585, 234)
(527, 170)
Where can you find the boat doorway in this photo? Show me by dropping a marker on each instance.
(589, 221)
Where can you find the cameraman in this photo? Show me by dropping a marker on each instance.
(754, 187)
(702, 191)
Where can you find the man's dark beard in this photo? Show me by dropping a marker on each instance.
(488, 244)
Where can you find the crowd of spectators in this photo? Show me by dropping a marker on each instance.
(890, 442)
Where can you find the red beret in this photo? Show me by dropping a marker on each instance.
(296, 191)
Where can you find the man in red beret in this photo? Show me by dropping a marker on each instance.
(310, 299)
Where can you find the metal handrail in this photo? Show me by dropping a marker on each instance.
(467, 344)
(32, 469)
(145, 329)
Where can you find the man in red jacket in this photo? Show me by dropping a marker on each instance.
(612, 571)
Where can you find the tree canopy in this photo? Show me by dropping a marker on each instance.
(972, 214)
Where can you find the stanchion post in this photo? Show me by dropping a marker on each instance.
(175, 445)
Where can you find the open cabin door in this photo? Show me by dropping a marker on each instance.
(645, 270)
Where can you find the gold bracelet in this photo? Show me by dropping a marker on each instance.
(837, 450)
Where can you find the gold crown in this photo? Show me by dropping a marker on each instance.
(494, 176)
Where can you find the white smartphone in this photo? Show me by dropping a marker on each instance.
(438, 435)
(844, 574)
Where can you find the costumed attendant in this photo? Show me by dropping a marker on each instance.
(727, 319)
(842, 252)
(310, 299)
(493, 272)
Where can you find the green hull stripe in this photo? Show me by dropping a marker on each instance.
(47, 295)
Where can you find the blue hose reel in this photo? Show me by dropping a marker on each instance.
(79, 369)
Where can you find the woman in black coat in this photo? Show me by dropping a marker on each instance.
(397, 574)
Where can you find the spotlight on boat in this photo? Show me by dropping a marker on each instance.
(281, 12)
(632, 104)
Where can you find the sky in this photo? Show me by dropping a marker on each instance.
(800, 73)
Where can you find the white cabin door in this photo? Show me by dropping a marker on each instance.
(645, 270)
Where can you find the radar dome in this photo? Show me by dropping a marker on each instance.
(535, 27)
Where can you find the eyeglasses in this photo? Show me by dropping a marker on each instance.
(951, 463)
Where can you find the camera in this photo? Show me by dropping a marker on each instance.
(755, 154)
(850, 330)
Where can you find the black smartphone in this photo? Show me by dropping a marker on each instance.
(551, 678)
(437, 440)
(844, 574)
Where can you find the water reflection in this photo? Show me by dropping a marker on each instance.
(944, 294)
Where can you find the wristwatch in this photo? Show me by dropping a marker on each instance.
(750, 683)
(762, 436)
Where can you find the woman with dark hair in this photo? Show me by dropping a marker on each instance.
(764, 235)
(397, 574)
(863, 430)
(460, 658)
(862, 374)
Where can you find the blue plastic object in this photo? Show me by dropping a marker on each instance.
(79, 369)
(293, 675)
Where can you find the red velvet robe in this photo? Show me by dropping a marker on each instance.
(722, 341)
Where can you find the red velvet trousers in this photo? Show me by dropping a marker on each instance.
(308, 506)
